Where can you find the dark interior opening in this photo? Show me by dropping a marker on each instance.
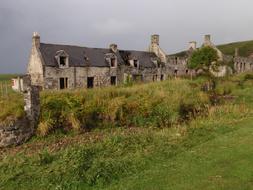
(137, 78)
(162, 77)
(136, 63)
(63, 83)
(113, 62)
(90, 82)
(63, 61)
(175, 71)
(187, 71)
(154, 77)
(113, 80)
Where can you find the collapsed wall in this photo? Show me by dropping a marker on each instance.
(18, 131)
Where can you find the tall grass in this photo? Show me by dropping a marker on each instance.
(147, 105)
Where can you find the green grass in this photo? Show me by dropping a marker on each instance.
(210, 151)
(222, 163)
(11, 103)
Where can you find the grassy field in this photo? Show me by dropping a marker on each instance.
(212, 150)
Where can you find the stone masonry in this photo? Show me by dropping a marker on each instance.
(22, 129)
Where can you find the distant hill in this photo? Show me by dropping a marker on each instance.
(245, 49)
(5, 77)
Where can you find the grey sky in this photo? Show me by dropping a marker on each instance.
(129, 23)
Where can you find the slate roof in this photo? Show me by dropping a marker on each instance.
(144, 58)
(94, 57)
(77, 55)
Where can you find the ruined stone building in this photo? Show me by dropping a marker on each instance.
(241, 64)
(53, 66)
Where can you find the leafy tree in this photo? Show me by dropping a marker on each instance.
(203, 58)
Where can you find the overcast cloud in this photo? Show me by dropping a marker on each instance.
(129, 23)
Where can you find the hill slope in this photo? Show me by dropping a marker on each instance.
(245, 48)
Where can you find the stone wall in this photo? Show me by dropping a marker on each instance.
(243, 64)
(22, 129)
(15, 133)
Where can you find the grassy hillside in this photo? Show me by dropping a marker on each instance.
(212, 150)
(7, 77)
(245, 48)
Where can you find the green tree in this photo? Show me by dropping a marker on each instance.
(203, 59)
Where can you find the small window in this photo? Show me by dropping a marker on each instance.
(136, 63)
(63, 83)
(90, 82)
(113, 80)
(175, 71)
(113, 62)
(176, 59)
(162, 77)
(63, 61)
(187, 71)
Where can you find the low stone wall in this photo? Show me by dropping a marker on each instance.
(20, 130)
(16, 132)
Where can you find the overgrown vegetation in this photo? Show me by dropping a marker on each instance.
(203, 59)
(151, 134)
(11, 103)
(147, 105)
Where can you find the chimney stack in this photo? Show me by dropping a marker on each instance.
(193, 45)
(207, 39)
(36, 40)
(155, 39)
(236, 52)
(113, 47)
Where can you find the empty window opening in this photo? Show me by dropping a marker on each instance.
(90, 82)
(136, 63)
(113, 80)
(137, 78)
(176, 60)
(154, 77)
(162, 77)
(175, 71)
(113, 62)
(187, 71)
(63, 83)
(63, 61)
